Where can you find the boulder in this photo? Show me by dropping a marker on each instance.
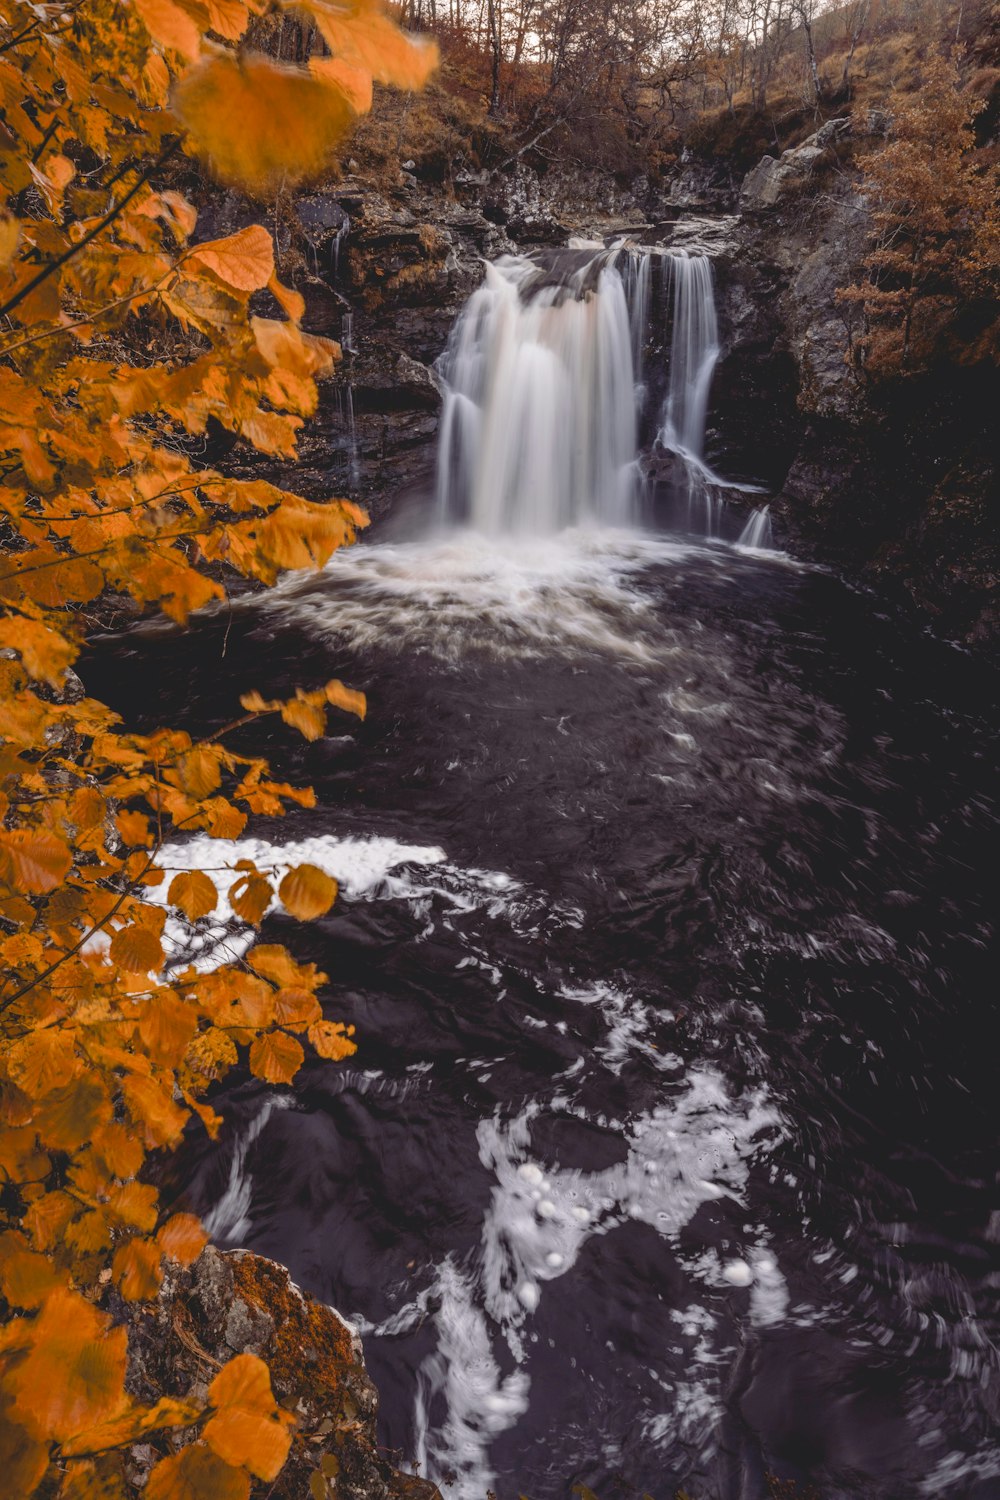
(235, 1302)
(774, 179)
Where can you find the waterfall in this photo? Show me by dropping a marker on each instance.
(544, 392)
(694, 353)
(757, 531)
(539, 426)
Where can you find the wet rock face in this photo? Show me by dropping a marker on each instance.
(234, 1302)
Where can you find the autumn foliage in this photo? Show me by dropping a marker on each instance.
(122, 337)
(935, 233)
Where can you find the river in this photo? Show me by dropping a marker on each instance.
(668, 1156)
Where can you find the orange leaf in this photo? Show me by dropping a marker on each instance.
(73, 1114)
(244, 1381)
(47, 1218)
(182, 1238)
(27, 1278)
(227, 17)
(121, 1155)
(23, 1460)
(330, 1040)
(46, 653)
(366, 38)
(10, 238)
(286, 347)
(295, 1007)
(304, 716)
(293, 302)
(134, 1203)
(194, 893)
(248, 1428)
(356, 82)
(44, 1060)
(224, 820)
(250, 897)
(206, 1114)
(150, 1106)
(136, 1269)
(171, 27)
(276, 964)
(276, 1057)
(346, 698)
(33, 861)
(304, 534)
(244, 261)
(196, 1473)
(242, 1437)
(137, 950)
(199, 772)
(289, 121)
(307, 892)
(256, 1001)
(166, 1027)
(73, 1375)
(168, 1412)
(134, 828)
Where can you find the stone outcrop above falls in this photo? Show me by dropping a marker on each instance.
(235, 1302)
(775, 179)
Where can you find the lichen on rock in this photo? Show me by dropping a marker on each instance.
(234, 1302)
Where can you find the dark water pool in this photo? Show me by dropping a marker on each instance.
(668, 1159)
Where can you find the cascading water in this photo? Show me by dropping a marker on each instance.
(545, 389)
(757, 531)
(694, 353)
(539, 427)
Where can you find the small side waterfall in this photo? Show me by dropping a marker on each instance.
(694, 353)
(539, 427)
(757, 532)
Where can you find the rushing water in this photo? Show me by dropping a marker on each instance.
(668, 1156)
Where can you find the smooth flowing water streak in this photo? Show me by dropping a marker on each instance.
(694, 353)
(695, 347)
(539, 427)
(757, 532)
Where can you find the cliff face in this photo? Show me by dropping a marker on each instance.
(894, 485)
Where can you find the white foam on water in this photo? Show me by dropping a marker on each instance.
(366, 869)
(478, 1400)
(363, 868)
(629, 1022)
(682, 1154)
(695, 1148)
(229, 1221)
(579, 591)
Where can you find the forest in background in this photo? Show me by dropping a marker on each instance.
(641, 90)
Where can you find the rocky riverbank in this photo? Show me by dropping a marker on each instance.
(234, 1302)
